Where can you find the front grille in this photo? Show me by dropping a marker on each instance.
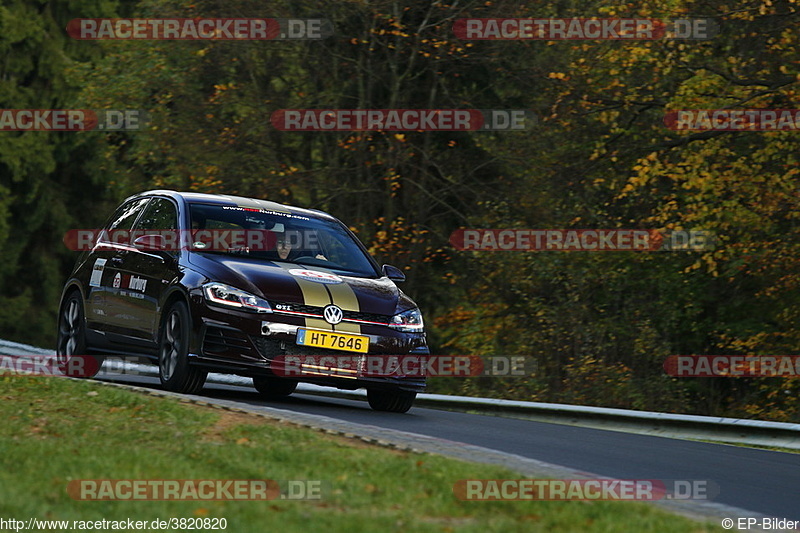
(315, 311)
(370, 317)
(297, 308)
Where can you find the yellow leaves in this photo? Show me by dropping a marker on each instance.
(557, 76)
(711, 265)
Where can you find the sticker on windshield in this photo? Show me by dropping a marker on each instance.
(315, 275)
(97, 273)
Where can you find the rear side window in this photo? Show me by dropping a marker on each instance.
(160, 214)
(121, 223)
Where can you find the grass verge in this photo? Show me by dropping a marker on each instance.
(58, 430)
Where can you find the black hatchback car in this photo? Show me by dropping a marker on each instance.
(200, 282)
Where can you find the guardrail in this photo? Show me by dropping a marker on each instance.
(717, 429)
(693, 427)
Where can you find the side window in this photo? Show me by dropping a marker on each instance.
(121, 223)
(159, 215)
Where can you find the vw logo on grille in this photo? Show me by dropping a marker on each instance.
(333, 314)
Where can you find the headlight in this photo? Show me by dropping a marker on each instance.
(409, 321)
(221, 294)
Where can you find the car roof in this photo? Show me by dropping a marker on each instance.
(234, 201)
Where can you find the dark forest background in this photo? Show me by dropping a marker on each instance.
(598, 325)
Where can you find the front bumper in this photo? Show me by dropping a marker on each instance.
(246, 344)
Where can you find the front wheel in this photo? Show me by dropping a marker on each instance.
(174, 370)
(71, 345)
(390, 401)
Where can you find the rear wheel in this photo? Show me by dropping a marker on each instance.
(273, 388)
(174, 370)
(390, 401)
(71, 345)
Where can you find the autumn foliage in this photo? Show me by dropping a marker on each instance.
(598, 325)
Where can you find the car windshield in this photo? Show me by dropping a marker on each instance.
(278, 236)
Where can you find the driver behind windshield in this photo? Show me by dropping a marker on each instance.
(284, 246)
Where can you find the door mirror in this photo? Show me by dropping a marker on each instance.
(393, 273)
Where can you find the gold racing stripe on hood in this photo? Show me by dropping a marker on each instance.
(343, 295)
(313, 294)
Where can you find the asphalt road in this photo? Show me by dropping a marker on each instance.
(761, 481)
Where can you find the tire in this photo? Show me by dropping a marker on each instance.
(273, 388)
(174, 370)
(390, 401)
(71, 356)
